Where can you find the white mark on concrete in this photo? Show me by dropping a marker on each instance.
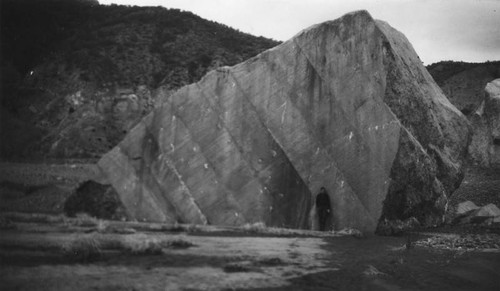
(284, 112)
(274, 153)
(351, 134)
(172, 147)
(236, 214)
(341, 184)
(205, 166)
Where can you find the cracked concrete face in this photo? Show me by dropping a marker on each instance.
(346, 105)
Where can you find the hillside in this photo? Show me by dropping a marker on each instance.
(76, 75)
(463, 83)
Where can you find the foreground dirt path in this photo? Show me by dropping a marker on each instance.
(33, 254)
(384, 263)
(32, 258)
(34, 261)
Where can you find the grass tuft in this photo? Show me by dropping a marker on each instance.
(236, 268)
(254, 227)
(180, 244)
(84, 248)
(146, 246)
(83, 219)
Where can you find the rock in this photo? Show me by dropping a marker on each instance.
(464, 242)
(485, 145)
(346, 105)
(492, 113)
(490, 210)
(480, 148)
(372, 271)
(466, 206)
(463, 83)
(350, 231)
(396, 226)
(486, 214)
(95, 199)
(492, 109)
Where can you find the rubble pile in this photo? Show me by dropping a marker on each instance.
(468, 212)
(462, 242)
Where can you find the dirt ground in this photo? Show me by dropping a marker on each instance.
(35, 256)
(53, 252)
(480, 185)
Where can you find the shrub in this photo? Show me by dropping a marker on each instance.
(143, 245)
(236, 268)
(95, 199)
(179, 244)
(84, 248)
(83, 219)
(254, 227)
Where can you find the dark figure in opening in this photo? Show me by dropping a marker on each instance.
(323, 207)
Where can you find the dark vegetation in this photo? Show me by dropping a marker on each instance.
(127, 45)
(65, 63)
(464, 83)
(444, 70)
(97, 200)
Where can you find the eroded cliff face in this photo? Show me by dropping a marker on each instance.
(485, 145)
(345, 105)
(469, 87)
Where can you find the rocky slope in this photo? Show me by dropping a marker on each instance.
(345, 104)
(76, 76)
(466, 86)
(489, 119)
(464, 83)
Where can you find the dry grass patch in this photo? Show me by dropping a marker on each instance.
(147, 245)
(83, 248)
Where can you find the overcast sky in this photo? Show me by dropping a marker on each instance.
(460, 30)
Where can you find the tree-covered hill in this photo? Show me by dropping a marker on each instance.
(76, 75)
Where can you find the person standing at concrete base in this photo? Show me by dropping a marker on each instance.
(323, 208)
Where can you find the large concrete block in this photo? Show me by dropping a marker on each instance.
(346, 105)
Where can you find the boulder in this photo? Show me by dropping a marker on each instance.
(493, 106)
(485, 145)
(465, 207)
(346, 105)
(490, 210)
(488, 213)
(492, 114)
(95, 199)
